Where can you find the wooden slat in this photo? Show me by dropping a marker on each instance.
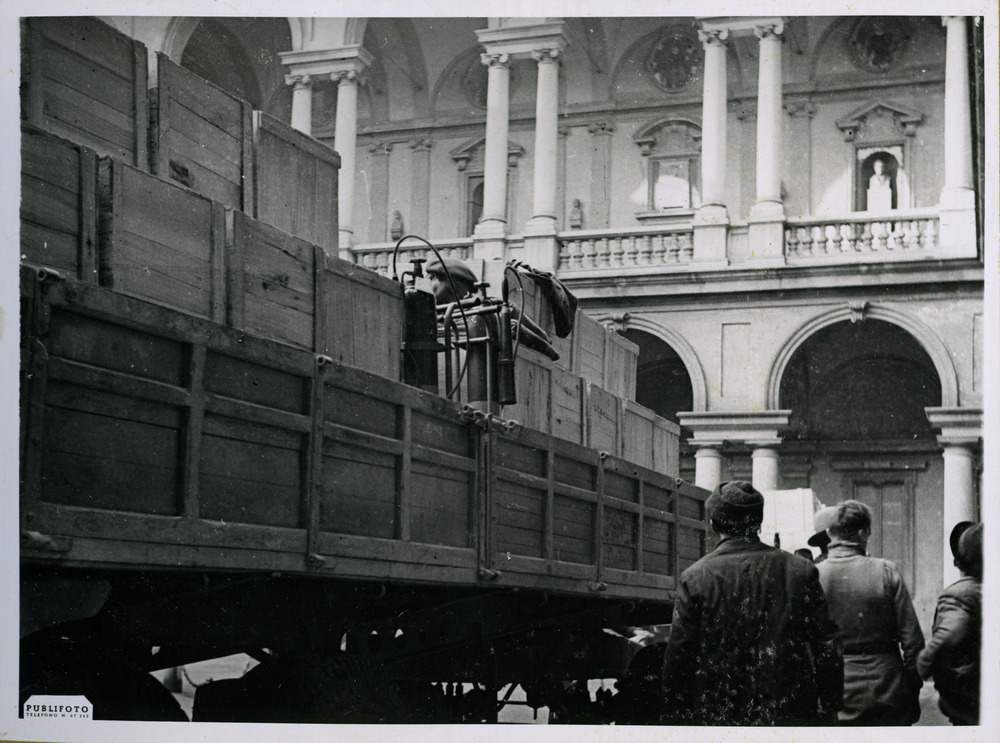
(404, 485)
(190, 464)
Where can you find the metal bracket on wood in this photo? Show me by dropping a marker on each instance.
(315, 560)
(43, 274)
(35, 540)
(599, 586)
(489, 574)
(486, 421)
(323, 361)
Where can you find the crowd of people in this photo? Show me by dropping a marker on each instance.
(761, 636)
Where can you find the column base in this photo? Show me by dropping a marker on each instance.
(489, 241)
(957, 234)
(541, 251)
(711, 233)
(766, 233)
(346, 242)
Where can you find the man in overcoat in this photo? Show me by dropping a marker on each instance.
(952, 655)
(878, 626)
(751, 642)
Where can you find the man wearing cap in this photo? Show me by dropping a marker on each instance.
(462, 279)
(878, 626)
(751, 642)
(952, 654)
(822, 521)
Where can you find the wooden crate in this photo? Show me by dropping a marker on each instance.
(160, 241)
(86, 81)
(202, 136)
(295, 182)
(364, 318)
(274, 285)
(58, 204)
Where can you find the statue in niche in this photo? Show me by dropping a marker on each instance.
(879, 188)
(576, 215)
(396, 228)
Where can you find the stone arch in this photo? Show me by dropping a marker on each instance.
(687, 354)
(924, 336)
(178, 34)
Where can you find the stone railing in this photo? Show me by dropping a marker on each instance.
(583, 250)
(378, 256)
(912, 233)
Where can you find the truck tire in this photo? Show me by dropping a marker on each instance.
(321, 687)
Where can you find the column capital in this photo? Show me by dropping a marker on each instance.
(547, 56)
(328, 62)
(759, 430)
(957, 426)
(380, 148)
(421, 144)
(769, 30)
(495, 60)
(713, 36)
(350, 76)
(303, 81)
(520, 38)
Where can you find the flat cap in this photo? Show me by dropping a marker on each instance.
(455, 268)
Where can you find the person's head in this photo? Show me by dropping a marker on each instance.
(822, 520)
(461, 276)
(735, 509)
(879, 167)
(969, 557)
(852, 522)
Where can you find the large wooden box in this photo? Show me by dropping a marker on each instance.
(274, 286)
(364, 318)
(202, 136)
(86, 81)
(295, 182)
(58, 204)
(160, 241)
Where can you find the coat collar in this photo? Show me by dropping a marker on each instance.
(740, 544)
(845, 549)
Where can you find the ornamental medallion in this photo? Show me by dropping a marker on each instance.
(876, 44)
(674, 59)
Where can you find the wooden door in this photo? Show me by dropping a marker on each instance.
(889, 495)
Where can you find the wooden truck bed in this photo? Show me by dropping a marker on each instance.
(153, 437)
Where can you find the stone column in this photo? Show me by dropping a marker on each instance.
(345, 143)
(301, 102)
(378, 196)
(712, 219)
(767, 215)
(540, 248)
(420, 204)
(765, 468)
(493, 223)
(798, 158)
(960, 434)
(957, 207)
(707, 467)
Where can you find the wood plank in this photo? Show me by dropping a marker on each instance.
(90, 38)
(88, 216)
(45, 247)
(50, 205)
(196, 143)
(170, 530)
(91, 86)
(191, 436)
(50, 158)
(371, 413)
(111, 346)
(118, 383)
(276, 321)
(215, 105)
(138, 256)
(140, 104)
(288, 436)
(253, 382)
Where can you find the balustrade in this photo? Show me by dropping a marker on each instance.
(860, 236)
(611, 249)
(378, 258)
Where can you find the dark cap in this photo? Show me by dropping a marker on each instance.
(956, 534)
(735, 507)
(456, 268)
(970, 551)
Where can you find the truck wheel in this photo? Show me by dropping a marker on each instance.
(321, 687)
